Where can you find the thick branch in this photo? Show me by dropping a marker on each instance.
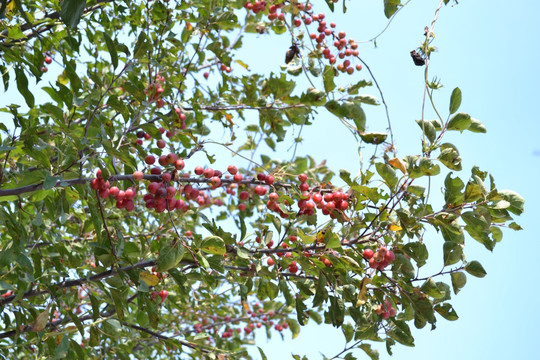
(80, 281)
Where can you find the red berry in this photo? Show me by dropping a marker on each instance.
(47, 60)
(237, 177)
(270, 261)
(166, 177)
(150, 159)
(232, 169)
(368, 254)
(179, 164)
(138, 175)
(160, 143)
(244, 195)
(199, 170)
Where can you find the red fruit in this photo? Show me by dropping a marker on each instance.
(304, 186)
(162, 160)
(160, 103)
(327, 262)
(270, 261)
(47, 60)
(150, 159)
(166, 177)
(302, 178)
(389, 256)
(215, 181)
(293, 238)
(373, 264)
(171, 158)
(153, 187)
(317, 198)
(94, 184)
(206, 74)
(160, 143)
(232, 169)
(44, 69)
(260, 190)
(155, 171)
(241, 207)
(208, 173)
(104, 193)
(138, 175)
(199, 170)
(244, 195)
(163, 295)
(113, 191)
(179, 164)
(269, 180)
(147, 136)
(261, 176)
(358, 67)
(273, 196)
(368, 254)
(237, 177)
(129, 193)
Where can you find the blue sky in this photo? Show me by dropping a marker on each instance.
(490, 50)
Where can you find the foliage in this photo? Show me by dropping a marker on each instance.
(105, 254)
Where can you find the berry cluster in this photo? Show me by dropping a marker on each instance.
(325, 36)
(380, 259)
(162, 294)
(46, 60)
(124, 198)
(386, 310)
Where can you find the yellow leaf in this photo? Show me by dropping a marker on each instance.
(394, 227)
(242, 64)
(361, 299)
(246, 306)
(399, 164)
(149, 279)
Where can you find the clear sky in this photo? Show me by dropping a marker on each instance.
(490, 49)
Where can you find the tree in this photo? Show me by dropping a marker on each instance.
(116, 244)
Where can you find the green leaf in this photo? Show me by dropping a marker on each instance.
(455, 100)
(50, 181)
(449, 156)
(71, 12)
(477, 126)
(328, 78)
(348, 331)
(401, 333)
(452, 193)
(169, 256)
(516, 201)
(373, 354)
(475, 269)
(213, 245)
(417, 251)
(300, 311)
(459, 279)
(22, 86)
(430, 288)
(446, 311)
(62, 348)
(263, 356)
(388, 174)
(112, 49)
(452, 252)
(374, 137)
(460, 122)
(390, 7)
